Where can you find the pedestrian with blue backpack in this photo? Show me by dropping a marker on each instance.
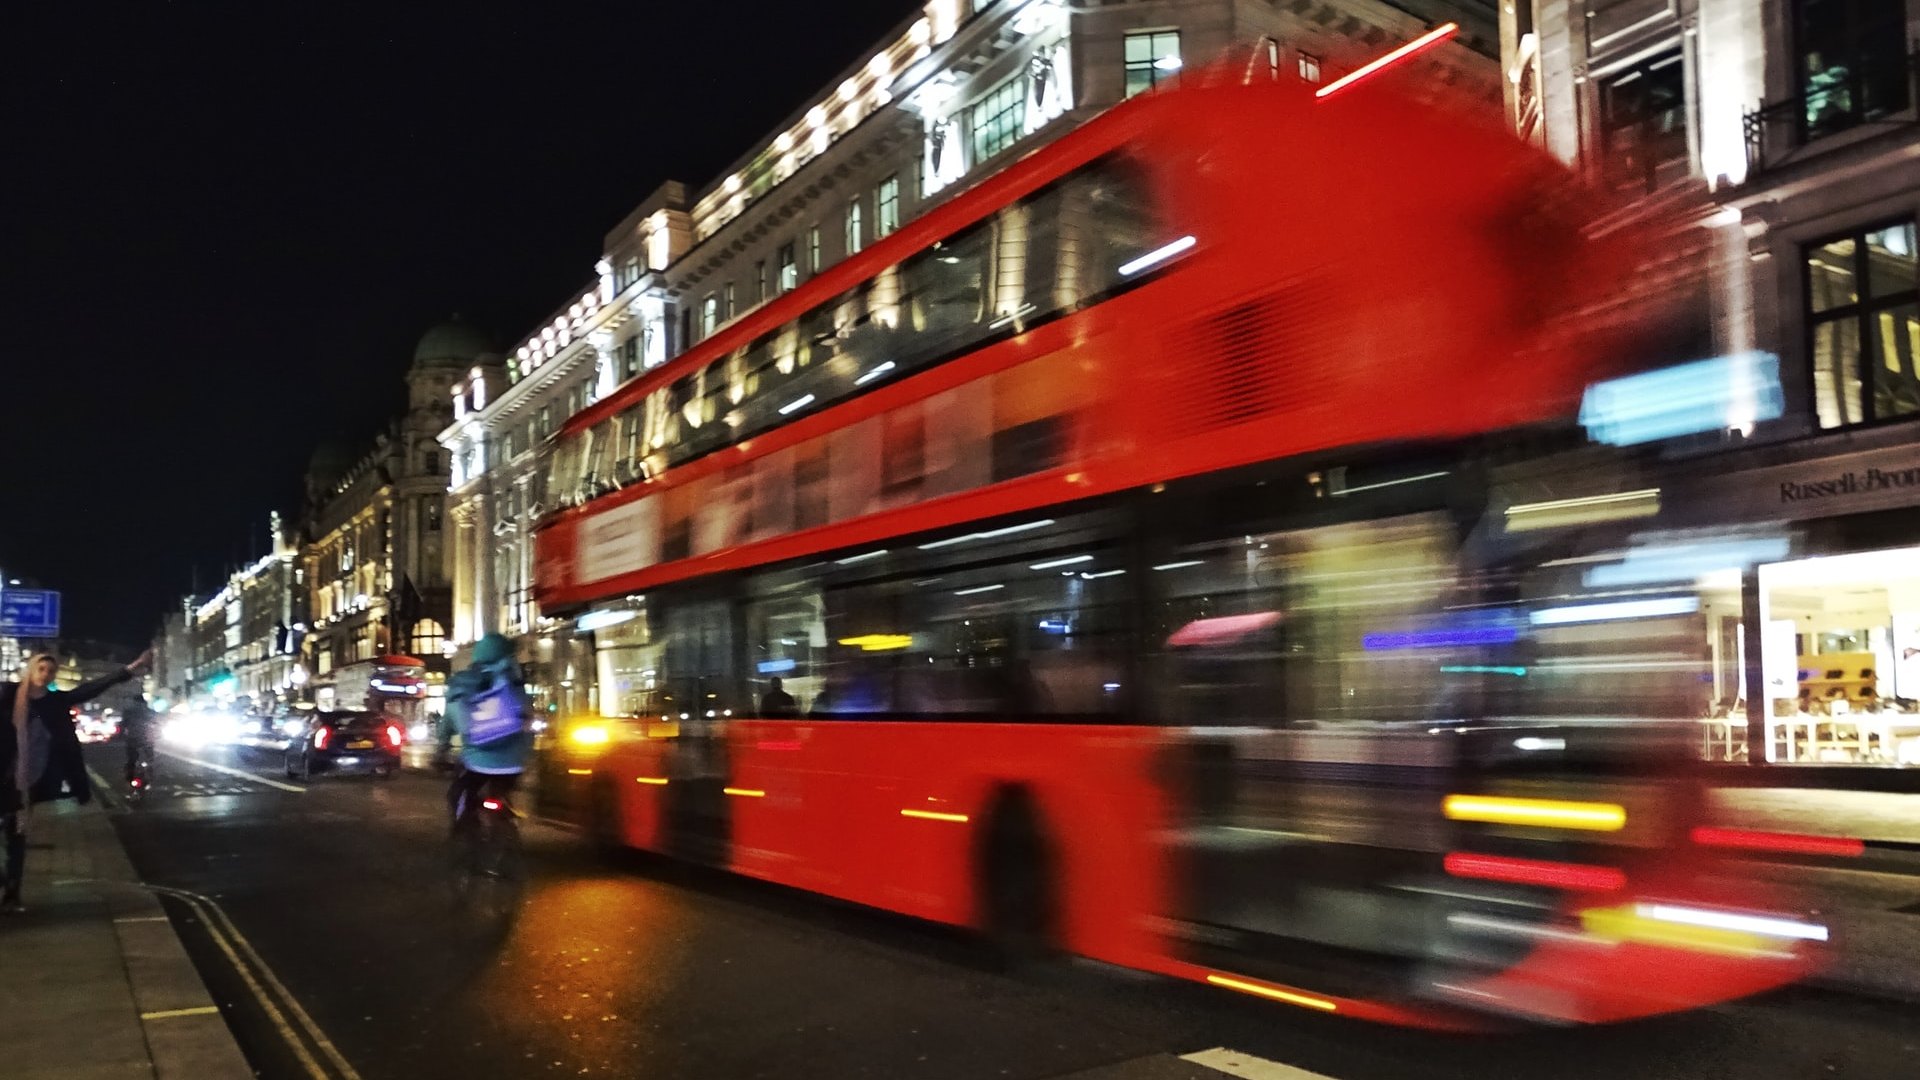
(487, 707)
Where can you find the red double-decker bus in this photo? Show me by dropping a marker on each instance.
(1078, 563)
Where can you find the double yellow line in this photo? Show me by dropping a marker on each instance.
(254, 972)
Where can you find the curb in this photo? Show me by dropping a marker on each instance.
(186, 1032)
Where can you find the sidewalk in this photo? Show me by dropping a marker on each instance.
(93, 981)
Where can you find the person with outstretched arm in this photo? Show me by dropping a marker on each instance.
(40, 754)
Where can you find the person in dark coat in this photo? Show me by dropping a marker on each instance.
(40, 754)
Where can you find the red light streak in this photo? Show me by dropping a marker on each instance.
(777, 744)
(1420, 44)
(1556, 875)
(1789, 843)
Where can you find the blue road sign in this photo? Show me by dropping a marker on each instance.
(29, 613)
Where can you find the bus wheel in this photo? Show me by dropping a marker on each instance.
(1018, 902)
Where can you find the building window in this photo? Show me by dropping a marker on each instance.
(760, 281)
(886, 206)
(1863, 311)
(1153, 57)
(732, 303)
(686, 329)
(853, 227)
(506, 445)
(546, 420)
(630, 357)
(429, 638)
(999, 119)
(1643, 124)
(433, 516)
(1309, 68)
(1852, 62)
(709, 314)
(789, 270)
(629, 274)
(813, 250)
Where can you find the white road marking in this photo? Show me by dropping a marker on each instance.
(168, 1014)
(231, 771)
(1235, 1063)
(142, 918)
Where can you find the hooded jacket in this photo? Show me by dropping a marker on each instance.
(492, 659)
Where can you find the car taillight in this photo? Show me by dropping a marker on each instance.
(321, 736)
(490, 804)
(394, 735)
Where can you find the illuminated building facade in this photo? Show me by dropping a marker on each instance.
(1787, 128)
(244, 638)
(958, 89)
(374, 564)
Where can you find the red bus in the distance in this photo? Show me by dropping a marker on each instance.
(1102, 561)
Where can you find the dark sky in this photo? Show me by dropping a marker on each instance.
(228, 223)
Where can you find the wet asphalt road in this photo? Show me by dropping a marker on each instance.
(643, 968)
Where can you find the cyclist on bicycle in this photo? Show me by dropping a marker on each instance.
(137, 730)
(487, 707)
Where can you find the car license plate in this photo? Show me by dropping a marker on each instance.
(360, 744)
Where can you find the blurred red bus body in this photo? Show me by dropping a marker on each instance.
(1024, 508)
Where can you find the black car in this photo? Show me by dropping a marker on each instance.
(346, 742)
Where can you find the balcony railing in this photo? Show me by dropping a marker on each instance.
(1875, 89)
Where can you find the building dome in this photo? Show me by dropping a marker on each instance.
(455, 343)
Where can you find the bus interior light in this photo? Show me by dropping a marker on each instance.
(796, 404)
(874, 373)
(1101, 574)
(1051, 564)
(989, 534)
(1181, 565)
(977, 589)
(600, 620)
(863, 557)
(1156, 256)
(1425, 41)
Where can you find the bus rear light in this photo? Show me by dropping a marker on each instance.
(1556, 875)
(1784, 843)
(1542, 813)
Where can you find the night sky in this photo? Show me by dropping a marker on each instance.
(228, 224)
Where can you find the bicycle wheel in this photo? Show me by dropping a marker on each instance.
(491, 877)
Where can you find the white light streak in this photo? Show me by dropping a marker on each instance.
(1156, 256)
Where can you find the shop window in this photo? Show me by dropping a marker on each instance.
(1153, 57)
(1863, 311)
(1643, 124)
(429, 638)
(1852, 62)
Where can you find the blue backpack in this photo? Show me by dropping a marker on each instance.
(495, 714)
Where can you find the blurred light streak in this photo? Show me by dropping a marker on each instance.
(989, 534)
(1617, 609)
(1483, 669)
(1547, 813)
(934, 815)
(777, 744)
(882, 642)
(1446, 637)
(1586, 510)
(1423, 42)
(589, 735)
(1725, 393)
(1156, 256)
(1656, 563)
(1787, 843)
(745, 793)
(1222, 629)
(599, 620)
(655, 781)
(579, 772)
(1273, 993)
(1556, 875)
(1727, 920)
(1338, 492)
(1493, 924)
